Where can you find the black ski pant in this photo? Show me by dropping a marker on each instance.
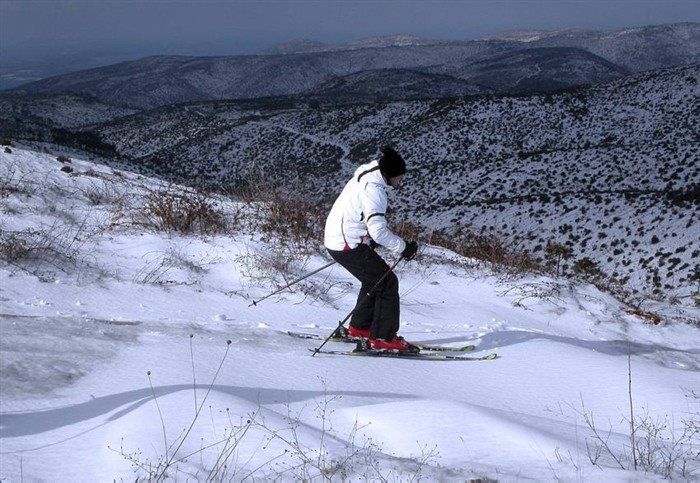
(379, 312)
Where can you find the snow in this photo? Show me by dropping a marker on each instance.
(78, 344)
(594, 170)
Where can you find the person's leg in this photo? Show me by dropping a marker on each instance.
(385, 324)
(353, 262)
(380, 311)
(364, 313)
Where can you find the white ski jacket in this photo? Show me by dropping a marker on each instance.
(359, 213)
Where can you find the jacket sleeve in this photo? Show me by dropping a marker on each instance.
(374, 203)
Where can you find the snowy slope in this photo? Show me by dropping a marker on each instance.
(112, 300)
(611, 171)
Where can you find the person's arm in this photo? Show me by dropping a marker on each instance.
(374, 204)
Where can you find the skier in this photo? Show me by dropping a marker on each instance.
(355, 225)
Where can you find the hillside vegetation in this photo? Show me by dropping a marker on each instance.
(610, 171)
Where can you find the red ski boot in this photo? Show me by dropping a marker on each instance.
(396, 344)
(356, 333)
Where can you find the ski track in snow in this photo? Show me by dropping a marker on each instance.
(77, 346)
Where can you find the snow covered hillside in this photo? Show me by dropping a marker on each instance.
(496, 65)
(637, 48)
(130, 349)
(611, 171)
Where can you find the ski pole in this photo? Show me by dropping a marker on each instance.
(256, 302)
(367, 296)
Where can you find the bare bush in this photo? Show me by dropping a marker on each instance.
(277, 268)
(12, 181)
(308, 462)
(154, 271)
(158, 264)
(410, 231)
(655, 444)
(293, 229)
(42, 251)
(104, 192)
(650, 317)
(291, 223)
(281, 218)
(486, 249)
(548, 291)
(183, 211)
(499, 256)
(159, 470)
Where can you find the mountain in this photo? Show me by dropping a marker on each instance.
(19, 112)
(387, 41)
(525, 71)
(162, 80)
(610, 170)
(534, 35)
(299, 46)
(391, 85)
(636, 49)
(534, 70)
(296, 46)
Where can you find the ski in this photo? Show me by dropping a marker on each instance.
(431, 356)
(352, 340)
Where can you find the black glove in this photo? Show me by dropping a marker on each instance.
(410, 251)
(373, 244)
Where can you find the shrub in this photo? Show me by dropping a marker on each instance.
(184, 211)
(487, 248)
(586, 267)
(290, 222)
(67, 169)
(5, 142)
(103, 192)
(409, 231)
(63, 158)
(11, 180)
(555, 253)
(44, 250)
(650, 317)
(8, 150)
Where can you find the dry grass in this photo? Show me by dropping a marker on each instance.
(104, 192)
(12, 180)
(181, 210)
(491, 250)
(282, 219)
(44, 251)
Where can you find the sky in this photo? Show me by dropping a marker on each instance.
(70, 34)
